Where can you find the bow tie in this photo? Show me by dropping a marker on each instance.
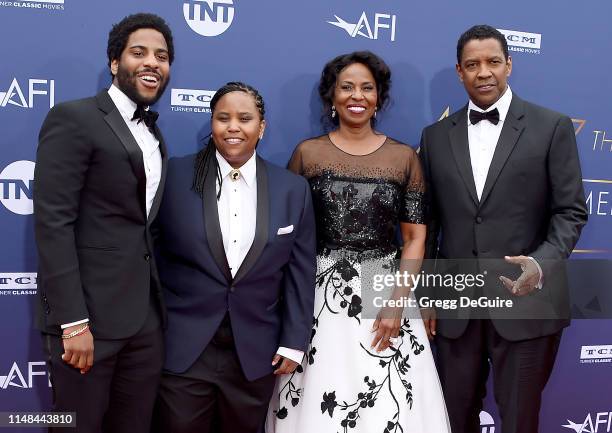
(492, 116)
(148, 116)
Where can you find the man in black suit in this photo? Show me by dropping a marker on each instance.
(504, 182)
(99, 176)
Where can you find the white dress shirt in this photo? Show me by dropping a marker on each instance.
(237, 209)
(149, 145)
(482, 140)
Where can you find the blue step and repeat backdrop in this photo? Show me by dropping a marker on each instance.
(55, 50)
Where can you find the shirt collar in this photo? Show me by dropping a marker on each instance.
(502, 105)
(124, 104)
(248, 170)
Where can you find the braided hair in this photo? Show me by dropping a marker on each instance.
(205, 159)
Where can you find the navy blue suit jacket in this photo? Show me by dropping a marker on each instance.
(270, 299)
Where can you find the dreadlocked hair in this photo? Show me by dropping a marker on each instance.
(205, 159)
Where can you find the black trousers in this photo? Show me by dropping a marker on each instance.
(118, 394)
(520, 372)
(213, 396)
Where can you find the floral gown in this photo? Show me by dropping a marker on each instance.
(342, 385)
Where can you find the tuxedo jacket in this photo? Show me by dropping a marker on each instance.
(532, 204)
(90, 221)
(270, 300)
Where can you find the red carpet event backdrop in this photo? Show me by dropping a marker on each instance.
(55, 50)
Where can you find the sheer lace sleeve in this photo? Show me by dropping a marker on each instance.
(413, 206)
(295, 163)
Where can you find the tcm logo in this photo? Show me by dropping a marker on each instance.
(17, 186)
(209, 17)
(37, 90)
(191, 100)
(487, 424)
(382, 23)
(24, 280)
(523, 42)
(16, 378)
(595, 354)
(601, 422)
(35, 4)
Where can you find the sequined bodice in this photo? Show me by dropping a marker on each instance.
(359, 200)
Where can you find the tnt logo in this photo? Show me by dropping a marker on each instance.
(363, 27)
(487, 424)
(17, 186)
(16, 379)
(209, 17)
(36, 90)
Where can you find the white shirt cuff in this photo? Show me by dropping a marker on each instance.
(539, 286)
(292, 354)
(80, 322)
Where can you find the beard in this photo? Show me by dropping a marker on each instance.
(126, 81)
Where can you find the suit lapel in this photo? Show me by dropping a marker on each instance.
(123, 133)
(162, 181)
(211, 220)
(510, 133)
(262, 223)
(460, 148)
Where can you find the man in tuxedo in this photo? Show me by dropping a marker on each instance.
(99, 176)
(504, 183)
(237, 264)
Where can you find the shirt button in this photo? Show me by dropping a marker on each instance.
(147, 257)
(234, 240)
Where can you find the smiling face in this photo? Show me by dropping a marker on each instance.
(355, 95)
(237, 126)
(484, 71)
(143, 70)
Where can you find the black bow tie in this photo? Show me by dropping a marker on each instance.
(492, 116)
(149, 117)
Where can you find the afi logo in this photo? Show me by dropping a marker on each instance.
(364, 29)
(17, 186)
(209, 17)
(36, 89)
(486, 423)
(592, 424)
(16, 379)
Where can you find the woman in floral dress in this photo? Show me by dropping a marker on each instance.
(356, 376)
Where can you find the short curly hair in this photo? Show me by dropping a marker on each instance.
(120, 33)
(480, 32)
(379, 69)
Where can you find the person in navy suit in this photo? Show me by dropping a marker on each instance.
(235, 240)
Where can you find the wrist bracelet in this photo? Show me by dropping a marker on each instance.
(76, 332)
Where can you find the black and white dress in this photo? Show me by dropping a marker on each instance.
(342, 385)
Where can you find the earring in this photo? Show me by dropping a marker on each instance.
(375, 111)
(333, 111)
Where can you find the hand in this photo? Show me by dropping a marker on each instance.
(429, 317)
(79, 350)
(286, 367)
(386, 326)
(527, 282)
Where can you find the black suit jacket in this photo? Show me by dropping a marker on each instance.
(532, 204)
(270, 300)
(92, 231)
